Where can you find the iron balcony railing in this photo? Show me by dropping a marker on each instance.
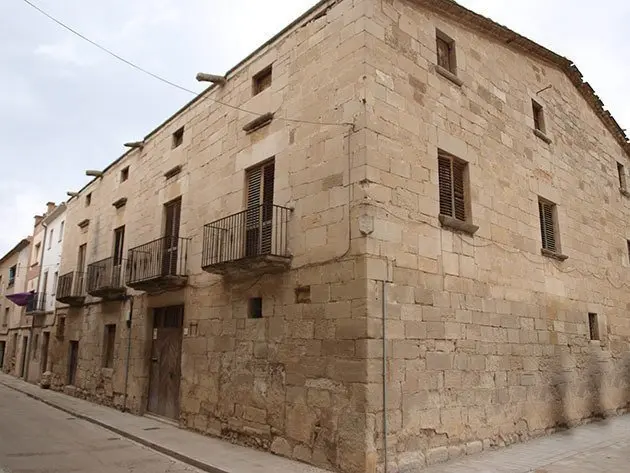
(36, 303)
(70, 285)
(166, 256)
(256, 231)
(105, 274)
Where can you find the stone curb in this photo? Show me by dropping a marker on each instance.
(147, 443)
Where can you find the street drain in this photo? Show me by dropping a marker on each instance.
(152, 428)
(71, 418)
(113, 438)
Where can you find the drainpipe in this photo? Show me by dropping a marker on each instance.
(384, 312)
(128, 358)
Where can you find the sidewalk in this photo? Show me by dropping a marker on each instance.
(599, 447)
(206, 453)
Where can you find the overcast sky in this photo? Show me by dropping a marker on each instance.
(66, 107)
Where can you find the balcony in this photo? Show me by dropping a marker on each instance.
(104, 279)
(71, 289)
(36, 304)
(158, 265)
(249, 243)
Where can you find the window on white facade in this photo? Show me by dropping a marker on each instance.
(50, 238)
(61, 230)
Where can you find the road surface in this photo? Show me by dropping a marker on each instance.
(37, 438)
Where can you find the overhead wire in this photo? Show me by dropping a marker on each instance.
(166, 81)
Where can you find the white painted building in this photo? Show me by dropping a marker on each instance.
(54, 223)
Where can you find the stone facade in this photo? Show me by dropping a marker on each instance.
(483, 333)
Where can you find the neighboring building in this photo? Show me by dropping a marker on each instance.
(444, 189)
(13, 338)
(42, 306)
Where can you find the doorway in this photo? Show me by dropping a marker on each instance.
(73, 362)
(165, 368)
(45, 343)
(24, 356)
(172, 217)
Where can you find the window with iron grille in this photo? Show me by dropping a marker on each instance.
(452, 184)
(445, 52)
(548, 225)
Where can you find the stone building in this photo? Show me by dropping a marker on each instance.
(402, 240)
(41, 309)
(13, 335)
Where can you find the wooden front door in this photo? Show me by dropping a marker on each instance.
(24, 357)
(165, 361)
(172, 214)
(73, 362)
(45, 344)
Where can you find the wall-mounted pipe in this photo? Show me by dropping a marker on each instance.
(384, 313)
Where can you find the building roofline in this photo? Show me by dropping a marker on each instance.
(202, 94)
(19, 247)
(55, 213)
(510, 38)
(459, 13)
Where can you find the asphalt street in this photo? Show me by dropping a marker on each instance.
(37, 438)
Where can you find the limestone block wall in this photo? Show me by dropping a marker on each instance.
(292, 382)
(485, 334)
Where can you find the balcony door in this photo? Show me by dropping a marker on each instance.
(259, 215)
(81, 268)
(172, 216)
(117, 256)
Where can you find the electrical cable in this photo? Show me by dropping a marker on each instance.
(166, 81)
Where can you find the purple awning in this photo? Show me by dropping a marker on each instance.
(21, 298)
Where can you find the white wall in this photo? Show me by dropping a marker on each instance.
(51, 257)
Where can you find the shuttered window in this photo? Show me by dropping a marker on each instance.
(547, 214)
(453, 193)
(259, 215)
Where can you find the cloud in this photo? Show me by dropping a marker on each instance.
(65, 52)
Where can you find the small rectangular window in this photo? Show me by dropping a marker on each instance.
(539, 116)
(61, 227)
(628, 246)
(12, 275)
(548, 226)
(303, 295)
(50, 238)
(453, 186)
(254, 308)
(445, 52)
(621, 172)
(178, 137)
(5, 320)
(88, 200)
(593, 326)
(124, 174)
(108, 345)
(262, 80)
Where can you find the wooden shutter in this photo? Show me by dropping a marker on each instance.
(451, 174)
(446, 185)
(547, 230)
(459, 196)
